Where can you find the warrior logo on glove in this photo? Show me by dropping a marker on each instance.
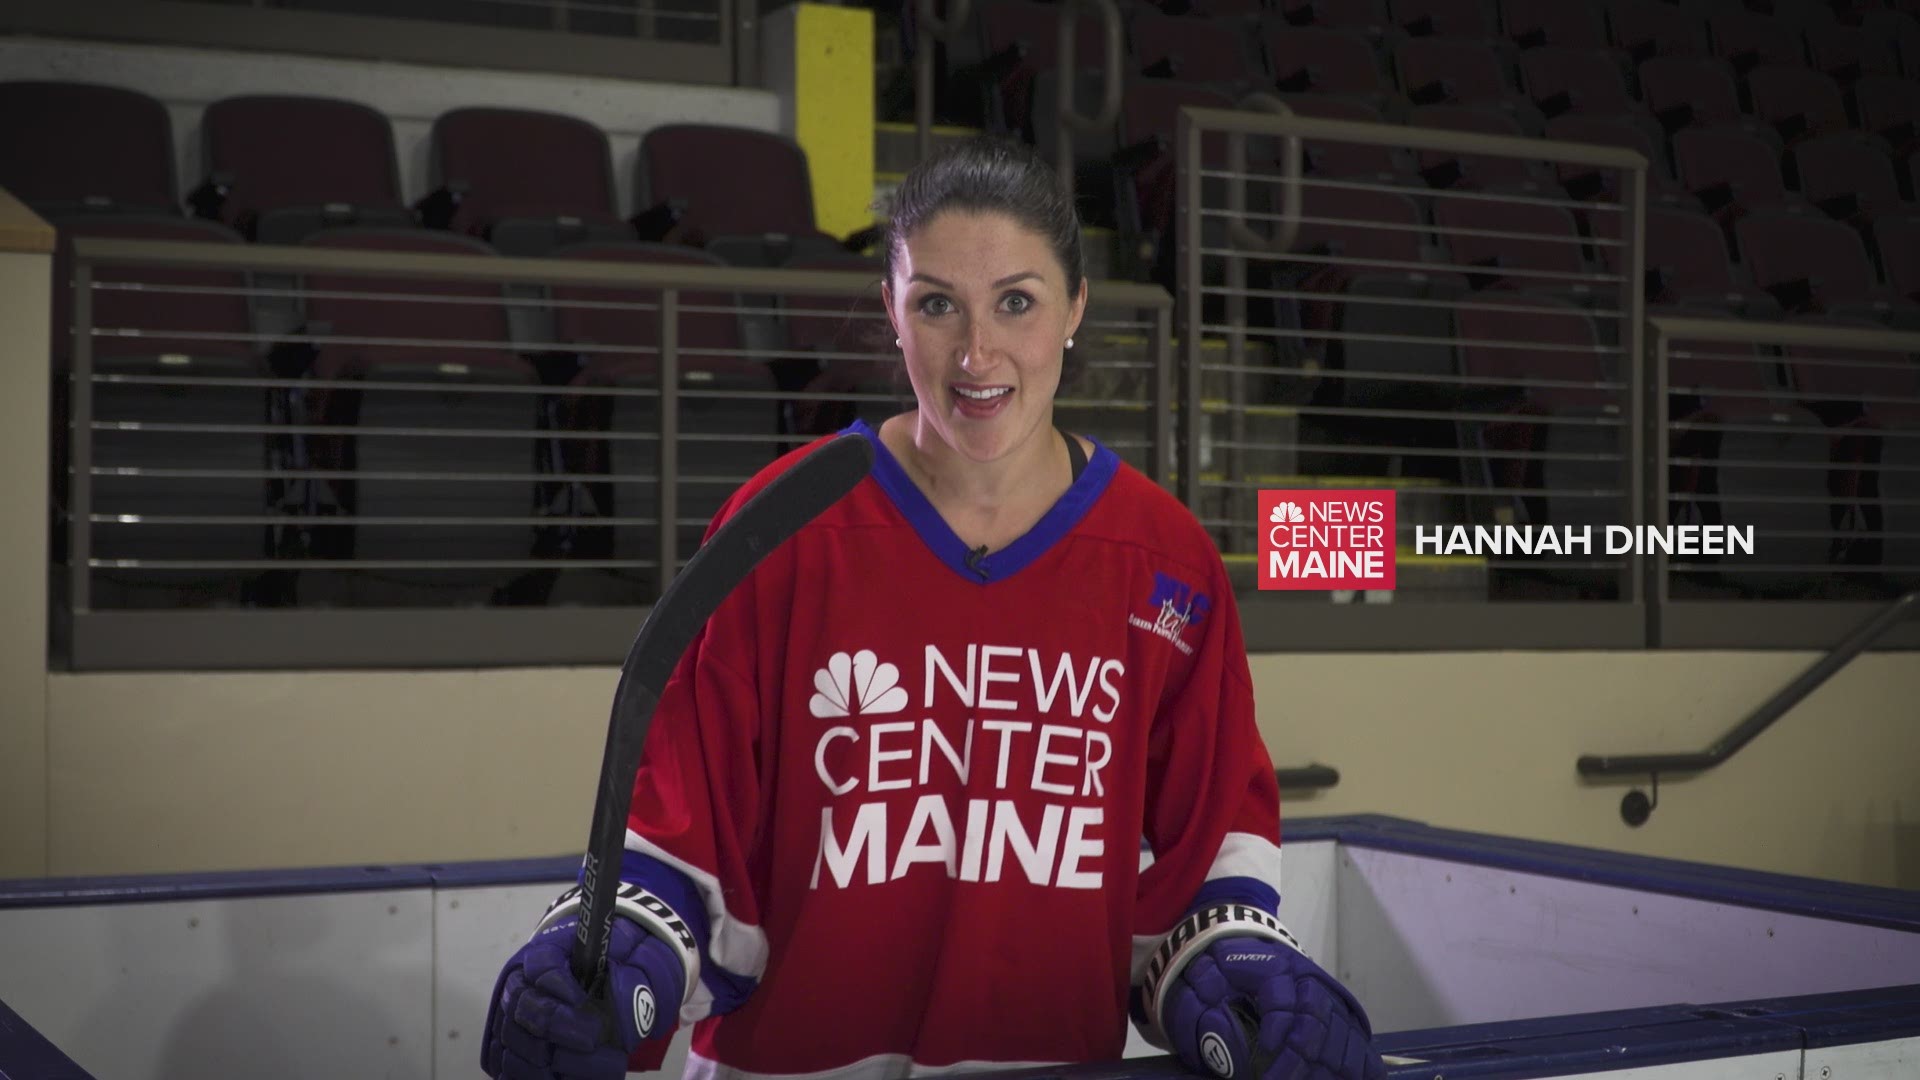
(644, 1011)
(1214, 1050)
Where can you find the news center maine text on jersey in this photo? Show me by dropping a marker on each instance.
(1036, 724)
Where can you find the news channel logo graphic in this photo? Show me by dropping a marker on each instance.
(1346, 539)
(1327, 539)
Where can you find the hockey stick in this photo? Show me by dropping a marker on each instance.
(779, 510)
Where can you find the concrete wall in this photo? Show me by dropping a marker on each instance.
(193, 771)
(26, 247)
(1487, 741)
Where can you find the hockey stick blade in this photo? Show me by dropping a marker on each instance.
(794, 498)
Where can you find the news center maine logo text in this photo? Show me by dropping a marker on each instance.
(1346, 539)
(1326, 539)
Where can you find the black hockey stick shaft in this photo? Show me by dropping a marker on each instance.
(779, 510)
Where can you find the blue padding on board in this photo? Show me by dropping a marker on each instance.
(25, 1054)
(560, 870)
(1658, 1037)
(1840, 901)
(1845, 1018)
(1520, 1050)
(151, 888)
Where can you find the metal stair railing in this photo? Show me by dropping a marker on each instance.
(1637, 806)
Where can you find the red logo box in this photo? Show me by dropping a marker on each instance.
(1326, 539)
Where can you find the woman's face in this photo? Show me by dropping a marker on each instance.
(980, 304)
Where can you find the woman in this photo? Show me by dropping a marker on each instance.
(890, 814)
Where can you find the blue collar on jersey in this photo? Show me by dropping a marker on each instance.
(1010, 560)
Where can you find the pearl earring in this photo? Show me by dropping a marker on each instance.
(896, 343)
(1069, 343)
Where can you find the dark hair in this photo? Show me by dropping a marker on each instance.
(986, 173)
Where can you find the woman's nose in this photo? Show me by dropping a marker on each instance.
(979, 346)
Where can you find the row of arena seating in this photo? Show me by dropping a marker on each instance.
(277, 169)
(1741, 116)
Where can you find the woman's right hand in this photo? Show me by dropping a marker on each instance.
(541, 1024)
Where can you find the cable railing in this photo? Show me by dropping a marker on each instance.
(1806, 431)
(262, 429)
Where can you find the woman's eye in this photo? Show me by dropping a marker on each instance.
(935, 305)
(1017, 302)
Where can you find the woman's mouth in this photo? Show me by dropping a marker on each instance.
(980, 402)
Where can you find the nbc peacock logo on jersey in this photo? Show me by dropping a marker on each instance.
(856, 683)
(1176, 605)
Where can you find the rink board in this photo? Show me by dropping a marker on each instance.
(1476, 956)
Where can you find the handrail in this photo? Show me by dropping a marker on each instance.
(1373, 133)
(1761, 718)
(1291, 156)
(1070, 118)
(1307, 777)
(927, 27)
(495, 269)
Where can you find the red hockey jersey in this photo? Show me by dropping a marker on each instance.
(907, 789)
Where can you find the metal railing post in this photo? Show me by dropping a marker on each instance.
(741, 17)
(80, 442)
(1070, 119)
(927, 27)
(1646, 397)
(669, 492)
(1187, 255)
(1655, 508)
(1165, 461)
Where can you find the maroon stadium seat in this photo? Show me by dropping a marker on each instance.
(1447, 168)
(1191, 50)
(1797, 101)
(1369, 17)
(1847, 174)
(1748, 40)
(292, 165)
(1565, 26)
(708, 340)
(1334, 159)
(1848, 52)
(1814, 264)
(1458, 71)
(1889, 106)
(1897, 238)
(80, 147)
(1564, 80)
(212, 325)
(374, 330)
(1690, 91)
(1686, 264)
(1628, 132)
(1649, 28)
(1730, 170)
(1323, 60)
(1480, 233)
(735, 188)
(530, 181)
(1442, 18)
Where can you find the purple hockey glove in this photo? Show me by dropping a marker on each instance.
(1247, 1008)
(542, 1026)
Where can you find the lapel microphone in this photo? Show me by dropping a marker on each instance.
(973, 561)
